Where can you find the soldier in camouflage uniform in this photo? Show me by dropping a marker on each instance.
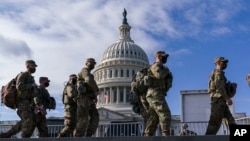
(27, 90)
(86, 102)
(220, 97)
(42, 102)
(159, 81)
(70, 107)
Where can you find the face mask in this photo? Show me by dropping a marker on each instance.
(73, 81)
(46, 84)
(32, 70)
(164, 60)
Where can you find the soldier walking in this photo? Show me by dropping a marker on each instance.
(42, 102)
(26, 88)
(70, 107)
(220, 97)
(86, 101)
(159, 81)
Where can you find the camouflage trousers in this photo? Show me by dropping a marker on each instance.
(158, 111)
(93, 121)
(144, 112)
(219, 111)
(27, 117)
(69, 121)
(41, 124)
(87, 117)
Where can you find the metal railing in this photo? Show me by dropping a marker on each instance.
(135, 129)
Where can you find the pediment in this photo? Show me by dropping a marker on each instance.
(106, 114)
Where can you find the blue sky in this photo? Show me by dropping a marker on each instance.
(60, 35)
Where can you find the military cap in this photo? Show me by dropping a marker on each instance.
(41, 79)
(72, 76)
(32, 62)
(92, 60)
(220, 59)
(161, 53)
(184, 125)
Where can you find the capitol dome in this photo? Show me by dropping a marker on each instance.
(118, 64)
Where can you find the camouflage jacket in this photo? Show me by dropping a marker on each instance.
(24, 87)
(85, 77)
(42, 98)
(69, 94)
(218, 84)
(161, 77)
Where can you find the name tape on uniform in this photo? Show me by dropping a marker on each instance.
(239, 132)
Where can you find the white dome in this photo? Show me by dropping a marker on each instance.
(119, 63)
(125, 50)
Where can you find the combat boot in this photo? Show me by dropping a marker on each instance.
(88, 135)
(165, 133)
(147, 134)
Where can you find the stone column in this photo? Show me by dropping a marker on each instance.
(125, 95)
(117, 95)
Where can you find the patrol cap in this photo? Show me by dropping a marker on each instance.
(41, 79)
(184, 125)
(92, 60)
(220, 59)
(32, 62)
(161, 53)
(72, 76)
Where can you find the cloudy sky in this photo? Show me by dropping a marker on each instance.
(60, 34)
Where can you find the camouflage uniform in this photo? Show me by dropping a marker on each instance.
(86, 103)
(159, 82)
(42, 102)
(70, 108)
(218, 93)
(145, 113)
(26, 93)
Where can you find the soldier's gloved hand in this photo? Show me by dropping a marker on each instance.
(95, 100)
(43, 111)
(229, 101)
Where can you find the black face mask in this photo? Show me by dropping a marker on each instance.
(74, 81)
(46, 84)
(32, 70)
(164, 60)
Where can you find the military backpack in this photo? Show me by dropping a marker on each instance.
(9, 94)
(138, 89)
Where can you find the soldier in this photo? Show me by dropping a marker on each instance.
(186, 132)
(70, 107)
(138, 98)
(42, 102)
(220, 97)
(27, 89)
(159, 81)
(86, 102)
